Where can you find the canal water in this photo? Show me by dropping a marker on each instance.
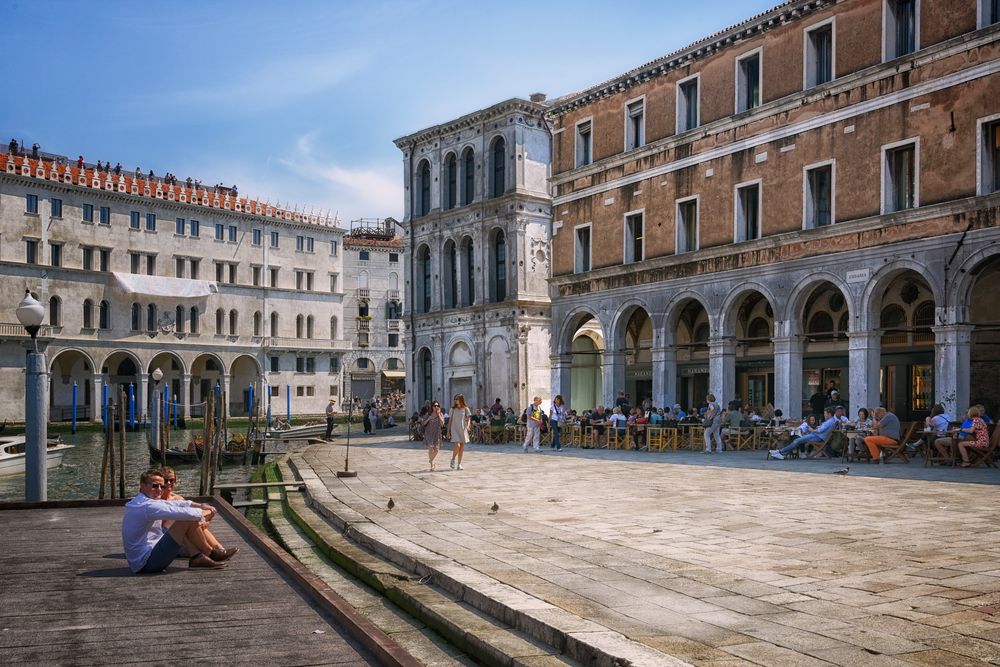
(79, 476)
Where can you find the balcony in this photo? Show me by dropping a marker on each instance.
(289, 343)
(364, 325)
(394, 325)
(364, 293)
(392, 294)
(16, 330)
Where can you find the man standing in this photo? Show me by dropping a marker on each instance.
(329, 419)
(533, 424)
(150, 548)
(713, 425)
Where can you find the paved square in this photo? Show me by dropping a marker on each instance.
(718, 560)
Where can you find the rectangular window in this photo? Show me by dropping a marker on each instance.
(901, 24)
(55, 254)
(747, 212)
(300, 365)
(818, 211)
(899, 177)
(310, 366)
(274, 239)
(31, 251)
(584, 143)
(300, 242)
(255, 276)
(194, 228)
(300, 391)
(232, 233)
(179, 265)
(989, 13)
(220, 272)
(31, 204)
(748, 81)
(88, 259)
(819, 54)
(232, 273)
(310, 244)
(299, 277)
(394, 258)
(582, 252)
(989, 155)
(256, 237)
(273, 278)
(362, 362)
(55, 205)
(633, 238)
(150, 265)
(309, 281)
(133, 262)
(333, 282)
(195, 264)
(104, 258)
(687, 104)
(333, 369)
(220, 232)
(88, 212)
(275, 390)
(275, 366)
(635, 124)
(333, 247)
(394, 340)
(179, 226)
(364, 255)
(150, 222)
(133, 220)
(105, 215)
(687, 225)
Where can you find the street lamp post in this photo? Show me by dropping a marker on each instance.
(157, 376)
(347, 472)
(30, 314)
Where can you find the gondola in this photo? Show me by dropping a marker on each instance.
(175, 456)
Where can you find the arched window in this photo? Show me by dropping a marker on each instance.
(333, 328)
(426, 376)
(701, 333)
(151, 317)
(363, 280)
(104, 315)
(893, 317)
(500, 267)
(309, 326)
(451, 181)
(469, 277)
(424, 188)
(499, 167)
(424, 259)
(393, 281)
(468, 176)
(450, 275)
(759, 329)
(136, 317)
(844, 323)
(274, 324)
(258, 323)
(233, 323)
(362, 309)
(299, 321)
(88, 314)
(179, 319)
(220, 322)
(55, 311)
(194, 319)
(820, 323)
(923, 315)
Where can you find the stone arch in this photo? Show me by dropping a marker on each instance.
(621, 318)
(793, 314)
(86, 356)
(68, 366)
(256, 363)
(571, 324)
(453, 348)
(959, 292)
(498, 166)
(871, 296)
(733, 301)
(672, 313)
(449, 274)
(126, 353)
(450, 181)
(173, 356)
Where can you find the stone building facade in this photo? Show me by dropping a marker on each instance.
(375, 270)
(477, 220)
(808, 197)
(138, 273)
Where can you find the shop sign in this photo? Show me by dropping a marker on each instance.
(859, 276)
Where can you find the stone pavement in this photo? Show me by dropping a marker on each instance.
(718, 560)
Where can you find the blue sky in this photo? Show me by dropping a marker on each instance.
(299, 101)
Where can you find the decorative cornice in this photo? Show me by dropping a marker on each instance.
(513, 105)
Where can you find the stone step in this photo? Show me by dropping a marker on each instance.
(569, 635)
(413, 613)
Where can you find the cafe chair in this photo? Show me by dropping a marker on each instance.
(898, 450)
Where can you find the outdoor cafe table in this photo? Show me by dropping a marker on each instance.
(930, 451)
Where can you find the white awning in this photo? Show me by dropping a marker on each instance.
(394, 374)
(175, 288)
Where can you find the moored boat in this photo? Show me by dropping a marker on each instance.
(12, 455)
(174, 455)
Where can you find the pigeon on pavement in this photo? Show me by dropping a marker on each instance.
(389, 505)
(494, 509)
(843, 471)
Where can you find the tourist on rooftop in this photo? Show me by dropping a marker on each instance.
(233, 191)
(118, 169)
(99, 165)
(151, 176)
(138, 173)
(34, 150)
(79, 162)
(188, 181)
(12, 147)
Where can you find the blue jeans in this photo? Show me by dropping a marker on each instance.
(794, 444)
(555, 435)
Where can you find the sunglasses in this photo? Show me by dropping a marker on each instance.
(170, 481)
(157, 486)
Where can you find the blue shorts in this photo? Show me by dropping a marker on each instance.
(163, 554)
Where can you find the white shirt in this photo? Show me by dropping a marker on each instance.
(618, 421)
(142, 526)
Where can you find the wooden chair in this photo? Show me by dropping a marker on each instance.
(987, 455)
(660, 437)
(932, 455)
(741, 438)
(898, 450)
(819, 446)
(618, 438)
(860, 451)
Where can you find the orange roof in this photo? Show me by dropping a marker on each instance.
(127, 182)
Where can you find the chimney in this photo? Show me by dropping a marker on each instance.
(537, 97)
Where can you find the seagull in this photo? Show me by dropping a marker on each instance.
(843, 471)
(494, 508)
(389, 505)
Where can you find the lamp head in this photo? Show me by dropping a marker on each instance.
(30, 313)
(157, 375)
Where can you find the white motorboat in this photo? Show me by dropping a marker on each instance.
(12, 454)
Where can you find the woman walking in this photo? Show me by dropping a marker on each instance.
(458, 427)
(431, 423)
(557, 418)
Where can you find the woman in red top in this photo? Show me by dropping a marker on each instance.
(980, 435)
